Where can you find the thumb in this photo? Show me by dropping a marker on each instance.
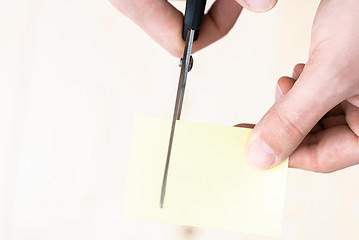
(291, 118)
(258, 5)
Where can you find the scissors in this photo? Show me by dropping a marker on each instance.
(191, 24)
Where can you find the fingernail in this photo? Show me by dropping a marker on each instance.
(278, 93)
(260, 5)
(260, 155)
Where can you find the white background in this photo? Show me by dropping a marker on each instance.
(72, 76)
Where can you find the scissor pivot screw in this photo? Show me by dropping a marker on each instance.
(190, 63)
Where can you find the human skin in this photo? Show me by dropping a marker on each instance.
(315, 119)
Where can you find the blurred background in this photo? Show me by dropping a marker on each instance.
(72, 76)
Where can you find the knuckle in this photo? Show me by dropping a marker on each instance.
(288, 127)
(282, 132)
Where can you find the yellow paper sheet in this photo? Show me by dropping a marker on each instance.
(210, 183)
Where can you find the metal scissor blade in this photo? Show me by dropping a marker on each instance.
(185, 66)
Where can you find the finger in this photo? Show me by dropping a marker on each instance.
(286, 124)
(354, 100)
(316, 129)
(337, 110)
(163, 22)
(298, 69)
(245, 125)
(352, 117)
(332, 121)
(284, 84)
(217, 22)
(158, 18)
(258, 5)
(327, 151)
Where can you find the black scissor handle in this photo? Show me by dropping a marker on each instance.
(193, 17)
